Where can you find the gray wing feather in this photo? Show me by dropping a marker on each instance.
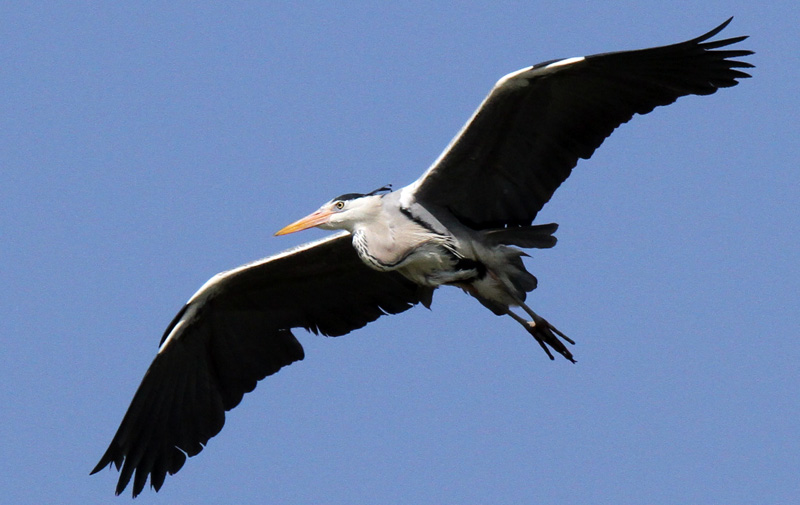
(529, 133)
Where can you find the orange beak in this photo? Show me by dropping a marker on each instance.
(317, 218)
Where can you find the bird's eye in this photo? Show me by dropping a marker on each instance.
(339, 205)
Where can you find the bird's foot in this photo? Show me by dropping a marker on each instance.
(547, 335)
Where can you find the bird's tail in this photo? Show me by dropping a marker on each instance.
(539, 236)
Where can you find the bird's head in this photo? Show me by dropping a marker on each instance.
(344, 212)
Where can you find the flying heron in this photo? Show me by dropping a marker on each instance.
(463, 223)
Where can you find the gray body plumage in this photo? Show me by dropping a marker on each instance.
(431, 249)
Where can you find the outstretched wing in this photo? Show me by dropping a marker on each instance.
(234, 332)
(528, 134)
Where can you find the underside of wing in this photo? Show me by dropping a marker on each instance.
(235, 331)
(529, 133)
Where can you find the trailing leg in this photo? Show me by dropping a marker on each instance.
(544, 333)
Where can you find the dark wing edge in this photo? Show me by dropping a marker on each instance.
(234, 332)
(528, 134)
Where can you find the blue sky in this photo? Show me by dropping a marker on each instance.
(146, 147)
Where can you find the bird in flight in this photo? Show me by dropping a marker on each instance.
(463, 223)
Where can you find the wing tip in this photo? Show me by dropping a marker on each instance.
(712, 32)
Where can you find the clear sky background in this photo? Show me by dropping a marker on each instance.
(145, 147)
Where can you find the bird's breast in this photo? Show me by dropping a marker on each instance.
(381, 257)
(429, 263)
